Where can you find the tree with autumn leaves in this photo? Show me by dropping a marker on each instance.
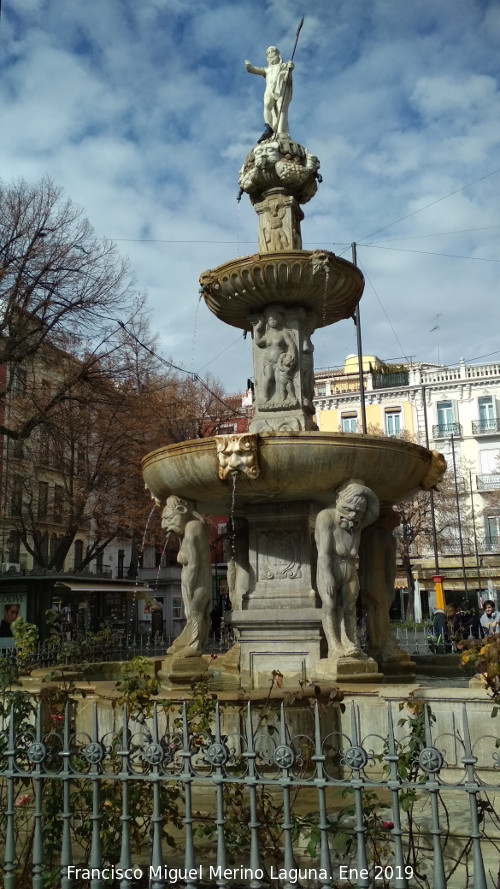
(83, 394)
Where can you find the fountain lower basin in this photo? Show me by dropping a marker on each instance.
(294, 466)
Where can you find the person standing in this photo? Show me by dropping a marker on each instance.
(490, 619)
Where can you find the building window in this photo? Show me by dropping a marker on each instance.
(121, 563)
(43, 500)
(489, 461)
(14, 546)
(486, 414)
(45, 448)
(349, 423)
(19, 382)
(58, 504)
(176, 606)
(99, 562)
(320, 389)
(492, 531)
(445, 416)
(392, 422)
(16, 449)
(16, 497)
(78, 554)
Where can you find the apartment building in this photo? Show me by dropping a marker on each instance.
(456, 410)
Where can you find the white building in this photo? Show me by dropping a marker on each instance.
(457, 411)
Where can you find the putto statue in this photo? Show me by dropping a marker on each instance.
(277, 94)
(338, 532)
(180, 517)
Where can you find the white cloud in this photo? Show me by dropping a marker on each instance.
(144, 113)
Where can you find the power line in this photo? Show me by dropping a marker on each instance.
(458, 231)
(194, 376)
(431, 253)
(431, 204)
(384, 311)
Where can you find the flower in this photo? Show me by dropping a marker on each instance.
(387, 825)
(21, 800)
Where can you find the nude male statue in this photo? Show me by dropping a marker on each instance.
(277, 94)
(180, 517)
(280, 356)
(377, 576)
(337, 533)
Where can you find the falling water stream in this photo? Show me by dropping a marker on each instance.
(195, 330)
(231, 516)
(161, 560)
(327, 277)
(139, 561)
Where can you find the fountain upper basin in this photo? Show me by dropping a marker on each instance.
(314, 280)
(293, 466)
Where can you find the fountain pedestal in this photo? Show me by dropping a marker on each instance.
(288, 641)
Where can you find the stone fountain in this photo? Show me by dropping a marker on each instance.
(311, 513)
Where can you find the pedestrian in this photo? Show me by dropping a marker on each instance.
(439, 631)
(462, 623)
(490, 619)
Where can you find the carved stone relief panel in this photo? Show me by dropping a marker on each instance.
(279, 555)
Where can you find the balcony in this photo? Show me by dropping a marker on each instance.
(446, 430)
(486, 427)
(490, 482)
(390, 380)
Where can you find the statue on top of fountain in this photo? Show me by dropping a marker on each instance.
(277, 94)
(338, 532)
(276, 161)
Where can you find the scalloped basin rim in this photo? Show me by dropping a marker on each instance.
(294, 466)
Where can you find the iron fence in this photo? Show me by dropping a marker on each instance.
(121, 648)
(249, 773)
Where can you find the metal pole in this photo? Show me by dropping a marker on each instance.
(357, 322)
(475, 534)
(458, 513)
(433, 512)
(288, 75)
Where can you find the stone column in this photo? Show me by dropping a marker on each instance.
(279, 222)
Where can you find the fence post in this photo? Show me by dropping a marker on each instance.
(66, 853)
(394, 785)
(320, 782)
(187, 779)
(10, 844)
(124, 774)
(253, 823)
(472, 788)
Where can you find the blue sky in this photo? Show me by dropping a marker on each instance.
(143, 112)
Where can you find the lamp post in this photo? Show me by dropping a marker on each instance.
(357, 322)
(459, 520)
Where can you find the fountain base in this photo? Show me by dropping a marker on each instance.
(352, 669)
(183, 670)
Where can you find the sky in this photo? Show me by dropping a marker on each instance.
(143, 113)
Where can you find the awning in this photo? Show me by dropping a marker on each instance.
(133, 590)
